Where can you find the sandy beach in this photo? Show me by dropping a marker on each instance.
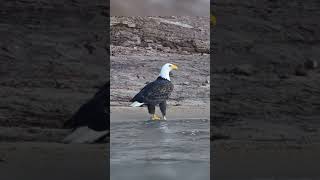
(175, 112)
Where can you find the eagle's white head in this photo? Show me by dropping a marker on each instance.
(165, 70)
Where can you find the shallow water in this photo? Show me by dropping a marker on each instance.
(173, 149)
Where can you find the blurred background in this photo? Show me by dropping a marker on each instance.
(160, 7)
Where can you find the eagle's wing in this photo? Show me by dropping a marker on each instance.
(154, 92)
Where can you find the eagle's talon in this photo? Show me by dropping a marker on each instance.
(155, 117)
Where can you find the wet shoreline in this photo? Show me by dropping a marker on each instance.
(123, 113)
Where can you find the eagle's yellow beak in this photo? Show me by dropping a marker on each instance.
(174, 67)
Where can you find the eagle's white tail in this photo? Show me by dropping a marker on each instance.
(84, 135)
(136, 104)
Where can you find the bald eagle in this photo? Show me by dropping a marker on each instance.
(91, 122)
(156, 93)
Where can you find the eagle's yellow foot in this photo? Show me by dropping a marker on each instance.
(155, 117)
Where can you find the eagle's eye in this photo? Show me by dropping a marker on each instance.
(169, 65)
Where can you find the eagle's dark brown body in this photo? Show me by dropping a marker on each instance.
(155, 93)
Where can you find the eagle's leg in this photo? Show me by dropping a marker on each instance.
(163, 108)
(152, 111)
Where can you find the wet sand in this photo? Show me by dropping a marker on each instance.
(120, 113)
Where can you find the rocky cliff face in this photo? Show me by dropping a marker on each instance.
(264, 62)
(265, 72)
(52, 59)
(141, 45)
